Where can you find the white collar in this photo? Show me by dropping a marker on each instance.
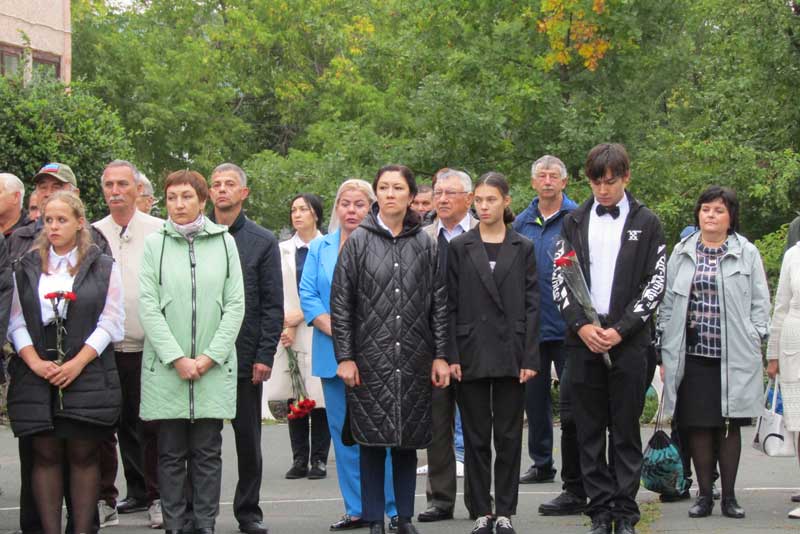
(463, 223)
(383, 224)
(70, 258)
(298, 242)
(624, 205)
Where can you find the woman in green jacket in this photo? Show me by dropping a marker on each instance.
(191, 308)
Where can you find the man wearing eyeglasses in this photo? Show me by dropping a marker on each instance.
(146, 201)
(452, 198)
(621, 250)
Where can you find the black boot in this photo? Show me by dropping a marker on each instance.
(731, 508)
(702, 507)
(376, 527)
(405, 526)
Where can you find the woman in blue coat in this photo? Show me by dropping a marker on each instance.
(352, 204)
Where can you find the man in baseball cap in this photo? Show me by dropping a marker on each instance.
(59, 171)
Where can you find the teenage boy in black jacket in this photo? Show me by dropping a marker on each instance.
(621, 250)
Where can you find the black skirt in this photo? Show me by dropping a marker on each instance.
(699, 402)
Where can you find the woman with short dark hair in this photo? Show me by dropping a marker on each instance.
(713, 319)
(389, 314)
(191, 308)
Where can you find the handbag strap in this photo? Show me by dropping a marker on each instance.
(659, 413)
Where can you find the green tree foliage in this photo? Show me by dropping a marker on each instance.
(43, 123)
(309, 92)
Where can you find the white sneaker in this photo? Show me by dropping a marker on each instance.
(154, 512)
(108, 514)
(459, 469)
(795, 514)
(422, 470)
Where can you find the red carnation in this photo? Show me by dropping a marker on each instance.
(566, 260)
(51, 295)
(69, 295)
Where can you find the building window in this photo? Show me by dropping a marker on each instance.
(9, 62)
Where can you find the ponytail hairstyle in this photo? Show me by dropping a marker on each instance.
(499, 182)
(83, 238)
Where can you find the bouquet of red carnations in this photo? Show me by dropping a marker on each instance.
(302, 405)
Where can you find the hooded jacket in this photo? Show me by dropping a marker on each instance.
(192, 303)
(639, 275)
(389, 315)
(544, 235)
(744, 318)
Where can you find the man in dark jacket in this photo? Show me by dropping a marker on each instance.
(541, 223)
(50, 178)
(258, 337)
(621, 251)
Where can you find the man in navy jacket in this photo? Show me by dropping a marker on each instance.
(541, 223)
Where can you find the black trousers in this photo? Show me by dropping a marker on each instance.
(190, 453)
(404, 470)
(314, 426)
(29, 521)
(601, 399)
(247, 432)
(538, 404)
(570, 452)
(491, 412)
(138, 440)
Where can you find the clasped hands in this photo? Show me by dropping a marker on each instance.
(62, 375)
(599, 340)
(193, 368)
(348, 372)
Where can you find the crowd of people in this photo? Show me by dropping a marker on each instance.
(421, 304)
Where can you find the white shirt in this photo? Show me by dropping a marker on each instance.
(605, 240)
(298, 242)
(383, 225)
(458, 229)
(110, 325)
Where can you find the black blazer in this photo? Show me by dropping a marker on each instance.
(494, 315)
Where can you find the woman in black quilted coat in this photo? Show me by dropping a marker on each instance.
(389, 320)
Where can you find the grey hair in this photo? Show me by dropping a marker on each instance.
(14, 184)
(231, 167)
(351, 184)
(147, 185)
(548, 162)
(137, 176)
(465, 179)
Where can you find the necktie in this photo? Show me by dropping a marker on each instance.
(442, 251)
(602, 210)
(300, 260)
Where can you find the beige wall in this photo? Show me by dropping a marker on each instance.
(47, 25)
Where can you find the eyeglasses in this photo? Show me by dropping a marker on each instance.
(151, 197)
(447, 193)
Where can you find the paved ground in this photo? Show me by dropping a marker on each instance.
(303, 506)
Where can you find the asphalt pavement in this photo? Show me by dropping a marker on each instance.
(764, 487)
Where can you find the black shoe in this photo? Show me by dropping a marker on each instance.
(348, 523)
(624, 526)
(682, 496)
(405, 526)
(376, 527)
(434, 513)
(317, 471)
(600, 526)
(253, 527)
(565, 504)
(796, 498)
(298, 470)
(207, 530)
(503, 526)
(393, 523)
(538, 475)
(483, 525)
(702, 507)
(730, 508)
(129, 505)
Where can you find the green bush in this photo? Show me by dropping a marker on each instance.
(43, 122)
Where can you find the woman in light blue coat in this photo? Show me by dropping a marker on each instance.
(712, 322)
(352, 204)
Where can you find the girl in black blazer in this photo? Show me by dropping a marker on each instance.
(493, 350)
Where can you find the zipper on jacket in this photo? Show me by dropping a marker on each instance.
(192, 263)
(723, 310)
